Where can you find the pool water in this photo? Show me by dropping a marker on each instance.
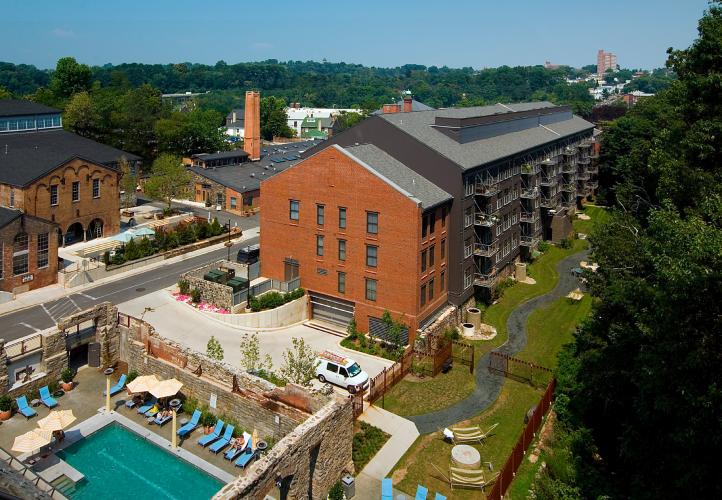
(117, 463)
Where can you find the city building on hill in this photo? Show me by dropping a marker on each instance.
(53, 174)
(514, 173)
(631, 98)
(605, 61)
(296, 115)
(406, 104)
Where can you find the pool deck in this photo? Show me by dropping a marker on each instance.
(84, 400)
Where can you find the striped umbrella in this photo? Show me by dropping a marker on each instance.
(32, 440)
(144, 383)
(57, 420)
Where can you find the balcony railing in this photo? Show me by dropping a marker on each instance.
(528, 241)
(488, 186)
(529, 217)
(549, 201)
(485, 249)
(569, 187)
(593, 184)
(486, 280)
(594, 155)
(583, 161)
(530, 193)
(530, 169)
(593, 168)
(569, 167)
(485, 220)
(550, 180)
(583, 176)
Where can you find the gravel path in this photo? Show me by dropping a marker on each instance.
(488, 385)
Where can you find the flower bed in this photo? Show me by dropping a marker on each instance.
(201, 306)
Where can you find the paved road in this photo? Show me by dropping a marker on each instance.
(488, 386)
(18, 324)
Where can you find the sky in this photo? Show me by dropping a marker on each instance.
(482, 33)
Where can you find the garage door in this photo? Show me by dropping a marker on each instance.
(331, 309)
(379, 329)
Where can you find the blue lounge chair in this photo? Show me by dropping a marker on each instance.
(421, 492)
(153, 411)
(209, 438)
(46, 398)
(161, 420)
(387, 489)
(439, 496)
(232, 453)
(223, 442)
(246, 456)
(24, 408)
(117, 387)
(144, 408)
(188, 428)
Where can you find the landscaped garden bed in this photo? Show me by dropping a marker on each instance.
(367, 441)
(201, 306)
(359, 341)
(273, 299)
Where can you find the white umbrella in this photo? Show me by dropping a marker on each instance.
(123, 237)
(166, 388)
(57, 420)
(143, 383)
(32, 440)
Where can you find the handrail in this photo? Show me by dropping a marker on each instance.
(25, 468)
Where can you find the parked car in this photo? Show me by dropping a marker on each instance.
(249, 255)
(342, 371)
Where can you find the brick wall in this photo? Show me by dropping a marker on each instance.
(40, 277)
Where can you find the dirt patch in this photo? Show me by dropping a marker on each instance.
(545, 435)
(400, 473)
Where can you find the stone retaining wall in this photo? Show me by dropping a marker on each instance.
(291, 313)
(215, 293)
(452, 316)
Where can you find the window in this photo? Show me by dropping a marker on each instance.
(341, 282)
(76, 191)
(96, 188)
(467, 277)
(341, 249)
(372, 254)
(468, 217)
(234, 202)
(432, 222)
(423, 295)
(342, 371)
(332, 368)
(370, 289)
(320, 214)
(431, 290)
(372, 222)
(42, 250)
(423, 261)
(442, 281)
(20, 254)
(442, 249)
(432, 256)
(54, 195)
(467, 248)
(219, 199)
(342, 217)
(293, 209)
(424, 225)
(12, 198)
(468, 187)
(319, 245)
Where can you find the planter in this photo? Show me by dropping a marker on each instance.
(5, 415)
(467, 329)
(67, 386)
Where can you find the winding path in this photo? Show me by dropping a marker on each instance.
(489, 385)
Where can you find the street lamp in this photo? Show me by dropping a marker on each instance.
(174, 405)
(108, 372)
(228, 243)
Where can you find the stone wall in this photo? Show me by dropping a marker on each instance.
(105, 318)
(308, 461)
(14, 485)
(53, 360)
(214, 293)
(452, 316)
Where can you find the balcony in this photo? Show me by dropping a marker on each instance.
(485, 249)
(530, 169)
(583, 176)
(569, 201)
(569, 187)
(594, 155)
(549, 201)
(583, 161)
(489, 186)
(529, 217)
(485, 220)
(549, 180)
(593, 169)
(593, 184)
(485, 280)
(569, 151)
(530, 193)
(528, 241)
(569, 167)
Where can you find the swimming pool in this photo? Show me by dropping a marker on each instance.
(117, 463)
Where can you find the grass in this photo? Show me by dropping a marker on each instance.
(509, 409)
(524, 477)
(367, 441)
(414, 396)
(550, 327)
(598, 216)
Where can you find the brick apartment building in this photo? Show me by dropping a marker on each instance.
(516, 174)
(605, 61)
(364, 232)
(56, 175)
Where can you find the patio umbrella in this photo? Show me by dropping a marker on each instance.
(143, 383)
(143, 231)
(166, 388)
(254, 440)
(57, 420)
(123, 237)
(32, 440)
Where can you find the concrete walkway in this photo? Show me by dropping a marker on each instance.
(403, 434)
(488, 386)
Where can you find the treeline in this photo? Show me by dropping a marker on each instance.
(639, 400)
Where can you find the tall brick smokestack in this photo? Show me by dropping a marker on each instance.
(252, 125)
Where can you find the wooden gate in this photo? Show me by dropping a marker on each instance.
(464, 354)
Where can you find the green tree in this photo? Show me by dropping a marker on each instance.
(299, 364)
(251, 355)
(348, 119)
(128, 183)
(168, 179)
(273, 118)
(214, 350)
(191, 132)
(5, 93)
(134, 116)
(80, 115)
(70, 77)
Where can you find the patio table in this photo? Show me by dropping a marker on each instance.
(35, 402)
(465, 456)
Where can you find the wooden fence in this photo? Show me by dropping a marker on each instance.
(512, 463)
(463, 353)
(519, 370)
(384, 381)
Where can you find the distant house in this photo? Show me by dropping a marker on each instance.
(633, 97)
(296, 115)
(405, 105)
(219, 159)
(318, 128)
(235, 123)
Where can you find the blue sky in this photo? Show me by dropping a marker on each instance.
(482, 33)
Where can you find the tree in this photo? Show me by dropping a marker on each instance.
(348, 119)
(273, 118)
(192, 132)
(128, 183)
(299, 364)
(168, 179)
(5, 93)
(70, 77)
(214, 350)
(251, 355)
(81, 116)
(134, 116)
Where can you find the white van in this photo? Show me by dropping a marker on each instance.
(340, 370)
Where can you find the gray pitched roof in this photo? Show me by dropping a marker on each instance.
(18, 107)
(7, 215)
(482, 151)
(398, 175)
(415, 106)
(27, 156)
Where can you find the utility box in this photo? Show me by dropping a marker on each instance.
(349, 486)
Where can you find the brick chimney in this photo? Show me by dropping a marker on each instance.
(391, 108)
(252, 126)
(408, 101)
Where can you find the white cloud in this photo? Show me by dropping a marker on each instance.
(262, 45)
(63, 33)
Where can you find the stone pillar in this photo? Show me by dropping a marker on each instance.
(520, 271)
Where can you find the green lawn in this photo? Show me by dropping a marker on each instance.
(598, 216)
(550, 327)
(509, 409)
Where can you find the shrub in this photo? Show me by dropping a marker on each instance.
(172, 240)
(214, 350)
(451, 333)
(543, 246)
(66, 375)
(106, 257)
(189, 405)
(207, 419)
(184, 287)
(272, 377)
(131, 251)
(500, 287)
(336, 491)
(203, 230)
(145, 247)
(208, 203)
(53, 386)
(215, 228)
(132, 375)
(351, 329)
(366, 443)
(118, 259)
(195, 296)
(566, 243)
(6, 403)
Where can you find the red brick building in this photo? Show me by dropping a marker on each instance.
(365, 234)
(28, 251)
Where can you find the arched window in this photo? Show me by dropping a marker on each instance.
(20, 254)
